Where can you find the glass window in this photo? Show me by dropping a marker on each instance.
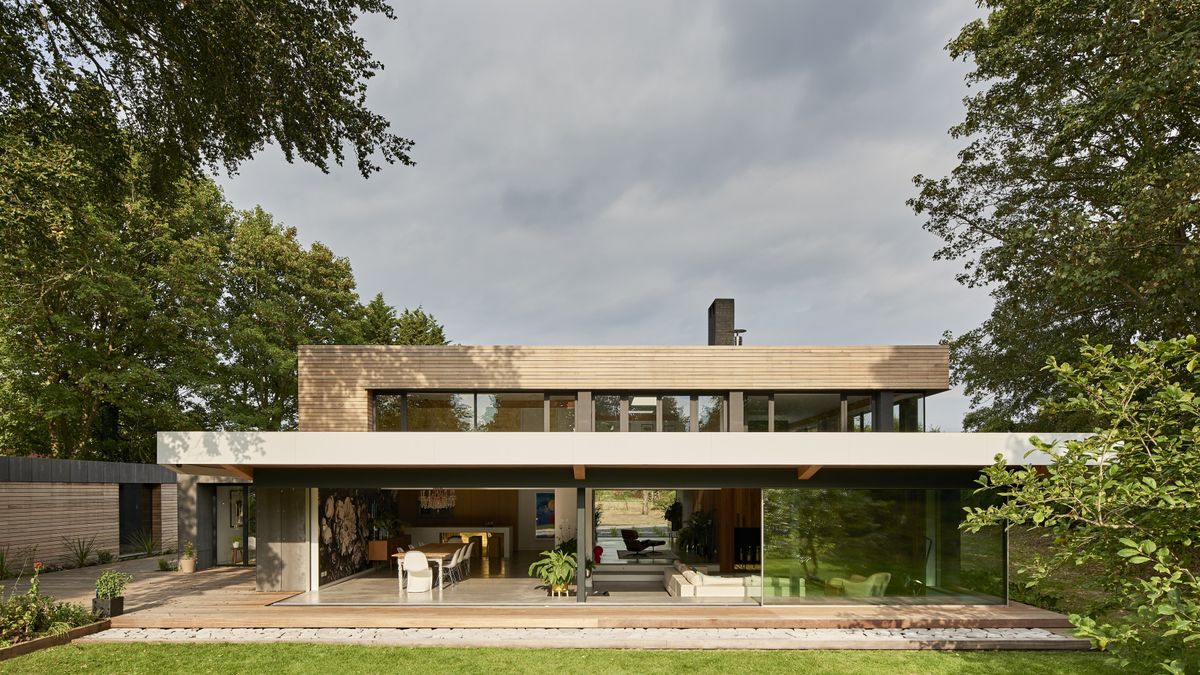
(908, 412)
(441, 412)
(562, 413)
(877, 546)
(607, 412)
(643, 413)
(808, 412)
(388, 409)
(677, 413)
(859, 411)
(510, 412)
(754, 412)
(713, 413)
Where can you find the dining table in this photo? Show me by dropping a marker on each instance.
(437, 553)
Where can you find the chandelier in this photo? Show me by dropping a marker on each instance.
(436, 500)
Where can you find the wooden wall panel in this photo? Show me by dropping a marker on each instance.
(42, 514)
(335, 379)
(472, 507)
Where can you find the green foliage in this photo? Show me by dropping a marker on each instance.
(205, 84)
(165, 565)
(1125, 500)
(111, 584)
(104, 557)
(555, 568)
(418, 327)
(79, 550)
(29, 615)
(144, 542)
(1074, 198)
(189, 550)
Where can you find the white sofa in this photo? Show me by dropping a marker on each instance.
(681, 581)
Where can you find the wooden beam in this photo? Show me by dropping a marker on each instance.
(580, 472)
(245, 472)
(806, 472)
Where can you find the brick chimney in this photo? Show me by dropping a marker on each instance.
(720, 322)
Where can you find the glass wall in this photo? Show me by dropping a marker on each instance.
(562, 413)
(841, 546)
(440, 412)
(389, 411)
(714, 414)
(908, 412)
(676, 413)
(510, 412)
(643, 413)
(859, 410)
(608, 412)
(756, 412)
(808, 412)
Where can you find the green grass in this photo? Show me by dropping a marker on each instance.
(315, 658)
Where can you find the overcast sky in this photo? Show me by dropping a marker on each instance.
(596, 173)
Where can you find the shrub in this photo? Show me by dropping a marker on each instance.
(165, 565)
(112, 584)
(30, 615)
(104, 557)
(189, 550)
(79, 550)
(144, 542)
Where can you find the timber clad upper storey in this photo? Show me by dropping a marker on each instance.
(337, 381)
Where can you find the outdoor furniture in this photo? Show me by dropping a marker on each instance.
(636, 546)
(856, 586)
(420, 576)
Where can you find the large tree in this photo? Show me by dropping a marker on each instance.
(205, 84)
(382, 326)
(1076, 198)
(108, 296)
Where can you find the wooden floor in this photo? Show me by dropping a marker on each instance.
(225, 598)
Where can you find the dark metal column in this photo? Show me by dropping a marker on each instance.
(581, 539)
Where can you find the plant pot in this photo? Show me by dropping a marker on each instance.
(559, 590)
(187, 565)
(108, 607)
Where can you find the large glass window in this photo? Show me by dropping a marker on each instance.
(713, 413)
(643, 413)
(808, 412)
(389, 410)
(908, 412)
(510, 412)
(677, 413)
(903, 546)
(607, 412)
(441, 412)
(562, 413)
(859, 410)
(755, 411)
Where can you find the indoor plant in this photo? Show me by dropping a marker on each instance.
(187, 559)
(110, 593)
(555, 569)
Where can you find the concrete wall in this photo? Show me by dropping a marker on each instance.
(41, 515)
(283, 547)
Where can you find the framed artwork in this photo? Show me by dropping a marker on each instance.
(544, 518)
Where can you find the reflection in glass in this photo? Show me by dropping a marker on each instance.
(908, 412)
(510, 412)
(441, 412)
(755, 411)
(562, 413)
(642, 413)
(842, 546)
(608, 412)
(808, 412)
(677, 413)
(388, 409)
(714, 414)
(859, 410)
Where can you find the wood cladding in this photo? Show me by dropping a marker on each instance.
(471, 508)
(335, 380)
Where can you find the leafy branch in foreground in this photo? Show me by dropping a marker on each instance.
(1125, 499)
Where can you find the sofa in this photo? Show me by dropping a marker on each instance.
(857, 586)
(682, 581)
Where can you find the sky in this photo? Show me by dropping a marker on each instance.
(597, 173)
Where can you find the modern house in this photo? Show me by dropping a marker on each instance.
(799, 475)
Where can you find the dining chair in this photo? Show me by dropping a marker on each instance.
(448, 567)
(420, 576)
(467, 557)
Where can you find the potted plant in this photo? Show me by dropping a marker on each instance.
(187, 559)
(556, 570)
(110, 593)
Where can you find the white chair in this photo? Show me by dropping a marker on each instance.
(454, 540)
(450, 570)
(420, 576)
(467, 557)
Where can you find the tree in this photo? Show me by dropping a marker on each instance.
(417, 327)
(1075, 198)
(205, 83)
(278, 296)
(379, 322)
(1126, 499)
(107, 296)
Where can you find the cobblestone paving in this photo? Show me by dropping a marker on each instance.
(645, 638)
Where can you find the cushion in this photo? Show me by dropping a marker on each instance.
(711, 580)
(680, 567)
(692, 577)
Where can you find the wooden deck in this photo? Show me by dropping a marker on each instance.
(225, 598)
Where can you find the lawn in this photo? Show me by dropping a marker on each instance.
(316, 658)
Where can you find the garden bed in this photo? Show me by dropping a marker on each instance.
(22, 648)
